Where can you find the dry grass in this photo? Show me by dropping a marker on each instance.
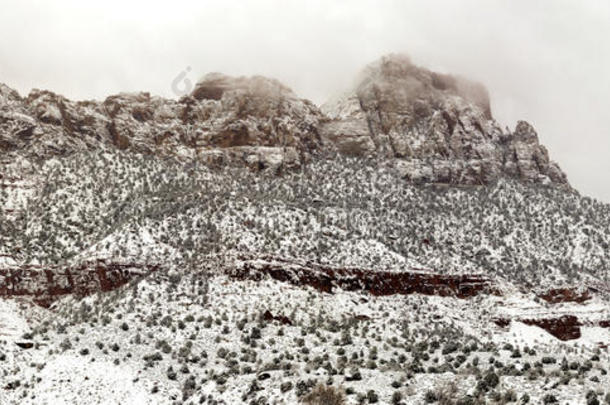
(325, 395)
(447, 393)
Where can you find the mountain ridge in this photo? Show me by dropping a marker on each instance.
(433, 128)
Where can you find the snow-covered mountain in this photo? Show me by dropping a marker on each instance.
(435, 128)
(242, 245)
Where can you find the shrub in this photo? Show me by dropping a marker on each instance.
(549, 399)
(325, 395)
(430, 397)
(255, 333)
(446, 393)
(510, 396)
(488, 382)
(286, 386)
(592, 398)
(65, 344)
(372, 397)
(171, 374)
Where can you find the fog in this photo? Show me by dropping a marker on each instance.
(543, 61)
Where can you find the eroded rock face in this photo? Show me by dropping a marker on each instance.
(46, 284)
(437, 128)
(433, 128)
(326, 278)
(560, 295)
(566, 327)
(254, 121)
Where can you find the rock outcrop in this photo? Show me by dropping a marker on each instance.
(432, 127)
(326, 278)
(559, 295)
(436, 128)
(256, 121)
(44, 285)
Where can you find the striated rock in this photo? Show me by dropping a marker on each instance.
(254, 121)
(431, 127)
(559, 295)
(326, 278)
(437, 128)
(45, 285)
(566, 327)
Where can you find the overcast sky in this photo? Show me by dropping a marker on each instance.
(546, 61)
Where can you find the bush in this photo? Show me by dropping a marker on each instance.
(430, 397)
(549, 399)
(450, 348)
(488, 382)
(65, 344)
(171, 374)
(325, 395)
(548, 360)
(592, 398)
(372, 397)
(510, 396)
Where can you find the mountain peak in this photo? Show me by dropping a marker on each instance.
(434, 127)
(397, 70)
(214, 85)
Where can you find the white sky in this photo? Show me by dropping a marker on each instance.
(546, 61)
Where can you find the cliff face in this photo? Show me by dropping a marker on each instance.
(435, 128)
(327, 278)
(46, 284)
(254, 121)
(432, 127)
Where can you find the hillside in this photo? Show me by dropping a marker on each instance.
(241, 245)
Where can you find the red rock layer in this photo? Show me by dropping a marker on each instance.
(48, 283)
(326, 278)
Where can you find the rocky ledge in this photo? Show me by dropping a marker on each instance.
(326, 278)
(46, 284)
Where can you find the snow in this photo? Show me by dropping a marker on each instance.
(12, 321)
(69, 379)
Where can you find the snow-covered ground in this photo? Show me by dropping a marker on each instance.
(161, 341)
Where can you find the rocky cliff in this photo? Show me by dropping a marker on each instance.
(256, 121)
(46, 284)
(432, 127)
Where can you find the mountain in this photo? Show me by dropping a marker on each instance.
(434, 127)
(255, 120)
(242, 245)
